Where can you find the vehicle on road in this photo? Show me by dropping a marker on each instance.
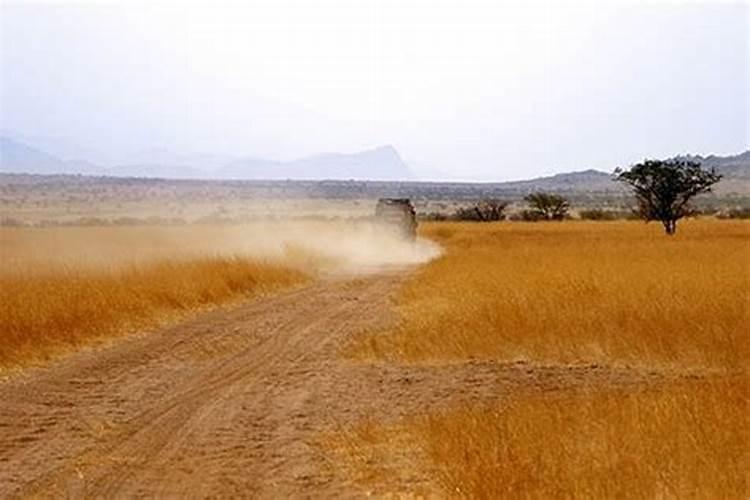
(398, 214)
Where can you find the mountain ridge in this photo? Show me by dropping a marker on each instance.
(381, 163)
(383, 160)
(378, 163)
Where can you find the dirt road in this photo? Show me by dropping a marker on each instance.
(233, 402)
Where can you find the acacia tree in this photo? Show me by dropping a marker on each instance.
(547, 206)
(663, 189)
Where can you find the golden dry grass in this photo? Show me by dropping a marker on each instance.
(578, 292)
(613, 293)
(52, 305)
(680, 440)
(41, 315)
(61, 286)
(676, 441)
(372, 455)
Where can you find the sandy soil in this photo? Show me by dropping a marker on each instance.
(234, 402)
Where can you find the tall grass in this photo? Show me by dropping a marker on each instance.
(676, 441)
(41, 315)
(681, 440)
(578, 292)
(63, 287)
(617, 293)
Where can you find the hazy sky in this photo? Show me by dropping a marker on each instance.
(468, 89)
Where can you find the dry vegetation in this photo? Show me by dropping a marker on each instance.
(677, 440)
(674, 441)
(61, 288)
(578, 292)
(44, 314)
(615, 294)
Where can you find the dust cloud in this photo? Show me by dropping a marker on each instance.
(315, 246)
(352, 247)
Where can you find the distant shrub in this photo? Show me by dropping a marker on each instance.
(707, 211)
(547, 206)
(214, 219)
(155, 220)
(433, 216)
(735, 213)
(483, 211)
(598, 214)
(127, 221)
(48, 223)
(11, 222)
(526, 216)
(90, 221)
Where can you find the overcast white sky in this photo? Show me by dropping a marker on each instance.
(486, 90)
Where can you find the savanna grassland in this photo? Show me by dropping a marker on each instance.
(556, 295)
(61, 288)
(517, 360)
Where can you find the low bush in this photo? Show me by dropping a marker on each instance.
(482, 211)
(735, 213)
(598, 214)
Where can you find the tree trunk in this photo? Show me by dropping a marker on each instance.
(670, 227)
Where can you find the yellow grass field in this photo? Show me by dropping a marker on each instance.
(674, 441)
(678, 440)
(616, 294)
(669, 312)
(62, 288)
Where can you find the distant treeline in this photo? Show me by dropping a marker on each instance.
(461, 214)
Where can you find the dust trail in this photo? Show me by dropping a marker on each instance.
(316, 246)
(352, 246)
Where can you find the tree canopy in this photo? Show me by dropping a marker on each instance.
(547, 206)
(664, 189)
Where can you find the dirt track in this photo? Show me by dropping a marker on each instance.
(232, 403)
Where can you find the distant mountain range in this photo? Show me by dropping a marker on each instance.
(18, 157)
(586, 180)
(735, 172)
(731, 167)
(382, 163)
